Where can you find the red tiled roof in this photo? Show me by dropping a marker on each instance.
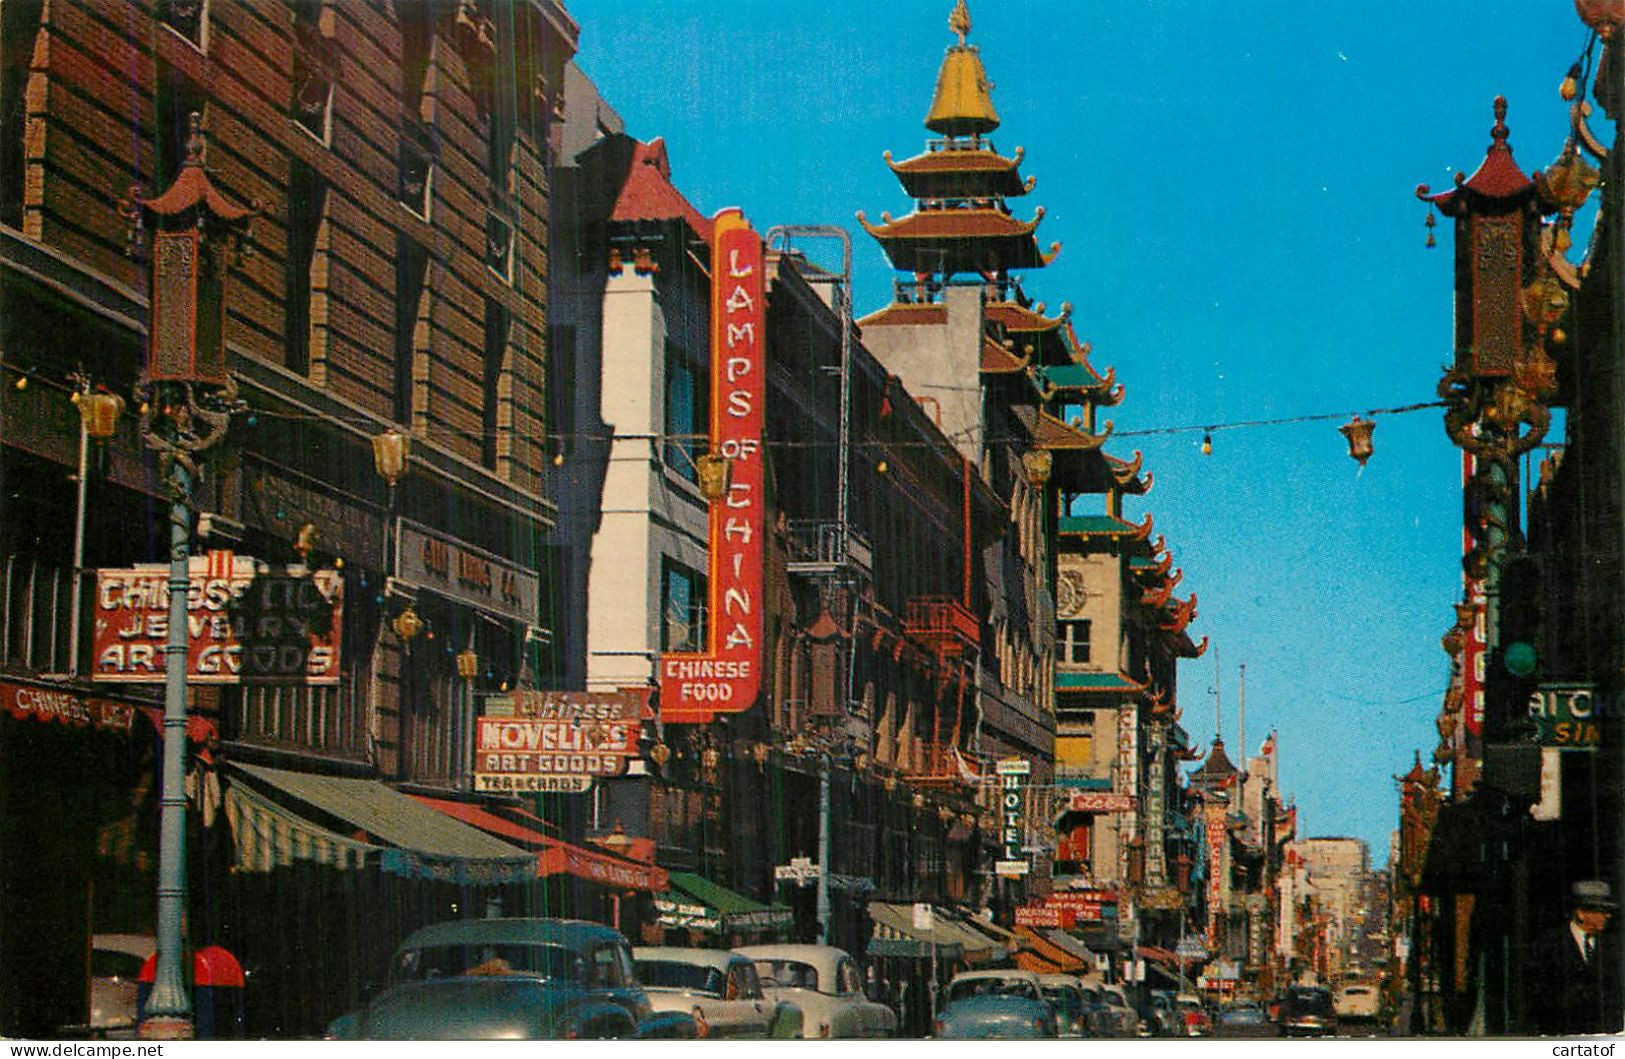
(951, 224)
(649, 194)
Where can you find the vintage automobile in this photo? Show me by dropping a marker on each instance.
(1124, 1021)
(720, 989)
(1307, 1011)
(1244, 1021)
(1191, 1018)
(1358, 1001)
(823, 982)
(995, 1005)
(1065, 996)
(115, 964)
(511, 979)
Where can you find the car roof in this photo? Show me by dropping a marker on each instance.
(806, 953)
(1006, 974)
(720, 959)
(572, 933)
(1060, 979)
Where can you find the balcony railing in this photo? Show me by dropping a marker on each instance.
(815, 548)
(943, 622)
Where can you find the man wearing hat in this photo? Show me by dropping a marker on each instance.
(1574, 973)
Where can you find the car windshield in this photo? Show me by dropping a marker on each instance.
(788, 974)
(498, 958)
(1310, 1002)
(969, 987)
(1067, 1002)
(1242, 1016)
(670, 974)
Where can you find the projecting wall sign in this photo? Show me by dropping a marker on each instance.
(725, 677)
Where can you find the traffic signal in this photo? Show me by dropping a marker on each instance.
(1516, 664)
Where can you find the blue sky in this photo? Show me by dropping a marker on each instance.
(1232, 182)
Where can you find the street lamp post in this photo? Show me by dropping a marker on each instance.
(98, 419)
(187, 398)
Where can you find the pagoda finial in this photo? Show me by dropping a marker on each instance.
(959, 21)
(195, 143)
(1499, 132)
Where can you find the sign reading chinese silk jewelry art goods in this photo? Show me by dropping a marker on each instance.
(554, 741)
(246, 622)
(725, 677)
(1013, 774)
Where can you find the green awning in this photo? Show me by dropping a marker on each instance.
(694, 902)
(1065, 681)
(415, 840)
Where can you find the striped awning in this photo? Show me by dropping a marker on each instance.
(410, 839)
(268, 837)
(896, 935)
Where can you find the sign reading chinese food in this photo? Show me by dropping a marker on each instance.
(246, 622)
(552, 741)
(725, 677)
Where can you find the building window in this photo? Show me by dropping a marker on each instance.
(499, 245)
(1072, 642)
(687, 402)
(411, 323)
(307, 248)
(416, 176)
(496, 443)
(174, 103)
(315, 70)
(682, 608)
(188, 18)
(19, 25)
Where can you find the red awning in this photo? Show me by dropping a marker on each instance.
(555, 856)
(1157, 954)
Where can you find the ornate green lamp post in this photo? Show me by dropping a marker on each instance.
(190, 235)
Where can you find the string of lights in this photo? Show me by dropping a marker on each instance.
(662, 439)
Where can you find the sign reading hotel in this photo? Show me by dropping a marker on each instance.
(554, 741)
(725, 677)
(457, 571)
(1013, 774)
(246, 622)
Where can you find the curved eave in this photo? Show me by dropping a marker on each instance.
(906, 314)
(1182, 613)
(1096, 684)
(1102, 526)
(1048, 432)
(960, 240)
(1155, 568)
(960, 174)
(1018, 319)
(997, 360)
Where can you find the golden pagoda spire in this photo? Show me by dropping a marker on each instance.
(963, 104)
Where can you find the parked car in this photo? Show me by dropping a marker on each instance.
(1065, 996)
(1124, 1021)
(824, 983)
(1307, 1011)
(511, 979)
(719, 988)
(1190, 1017)
(1358, 1001)
(115, 963)
(995, 1005)
(1244, 1020)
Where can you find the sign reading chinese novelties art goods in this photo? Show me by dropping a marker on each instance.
(246, 622)
(1013, 774)
(1568, 716)
(61, 706)
(554, 741)
(725, 677)
(459, 571)
(1099, 802)
(1087, 906)
(1045, 915)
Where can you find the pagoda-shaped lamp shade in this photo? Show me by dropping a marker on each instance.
(468, 663)
(714, 473)
(660, 753)
(1358, 433)
(1604, 16)
(390, 451)
(100, 414)
(1038, 463)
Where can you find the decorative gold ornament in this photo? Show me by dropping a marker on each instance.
(714, 473)
(1357, 431)
(1038, 463)
(407, 624)
(390, 451)
(660, 753)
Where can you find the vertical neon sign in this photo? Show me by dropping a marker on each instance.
(725, 677)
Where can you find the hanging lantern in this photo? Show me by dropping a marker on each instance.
(660, 753)
(468, 663)
(714, 472)
(1358, 432)
(890, 783)
(710, 758)
(760, 752)
(1207, 443)
(1037, 463)
(919, 801)
(389, 454)
(407, 624)
(100, 413)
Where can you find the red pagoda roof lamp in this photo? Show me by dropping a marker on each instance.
(1498, 182)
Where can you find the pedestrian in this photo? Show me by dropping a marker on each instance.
(1574, 968)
